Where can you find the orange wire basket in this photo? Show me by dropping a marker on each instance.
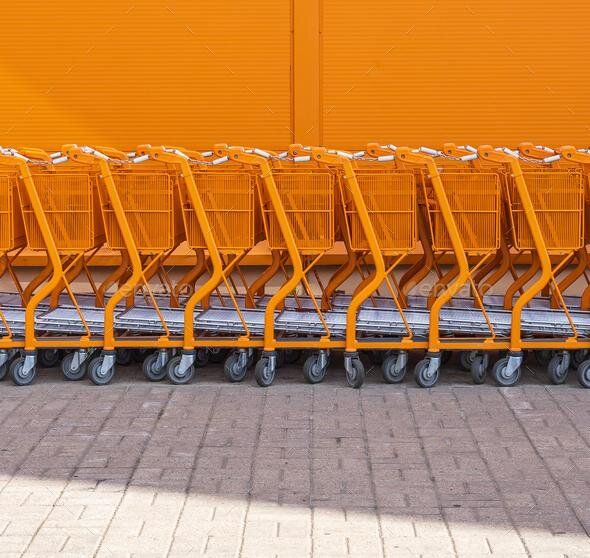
(68, 196)
(229, 202)
(474, 198)
(151, 206)
(558, 201)
(12, 231)
(307, 197)
(390, 199)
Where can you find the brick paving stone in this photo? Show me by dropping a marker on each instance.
(214, 469)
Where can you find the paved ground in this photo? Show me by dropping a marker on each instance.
(234, 470)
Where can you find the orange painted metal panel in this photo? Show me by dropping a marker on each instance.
(266, 72)
(425, 72)
(121, 73)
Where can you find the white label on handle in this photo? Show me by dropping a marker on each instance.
(220, 160)
(384, 158)
(141, 158)
(302, 159)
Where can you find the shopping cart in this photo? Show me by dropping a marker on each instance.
(60, 218)
(142, 220)
(390, 200)
(218, 201)
(546, 211)
(12, 243)
(462, 212)
(298, 206)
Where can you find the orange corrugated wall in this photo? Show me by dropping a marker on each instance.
(269, 72)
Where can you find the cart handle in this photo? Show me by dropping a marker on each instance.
(572, 154)
(535, 151)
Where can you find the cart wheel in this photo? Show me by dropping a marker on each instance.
(543, 356)
(3, 370)
(16, 372)
(124, 357)
(233, 371)
(557, 370)
(466, 359)
(68, 372)
(584, 374)
(390, 374)
(292, 355)
(48, 358)
(150, 370)
(173, 372)
(217, 355)
(95, 373)
(423, 377)
(264, 372)
(479, 368)
(577, 357)
(501, 376)
(355, 375)
(201, 357)
(313, 372)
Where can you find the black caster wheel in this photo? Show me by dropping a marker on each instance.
(543, 356)
(292, 355)
(466, 359)
(577, 357)
(69, 372)
(313, 371)
(217, 355)
(423, 377)
(501, 375)
(557, 370)
(96, 374)
(150, 369)
(390, 374)
(355, 373)
(124, 357)
(264, 372)
(48, 358)
(479, 368)
(17, 374)
(174, 374)
(584, 374)
(234, 372)
(201, 358)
